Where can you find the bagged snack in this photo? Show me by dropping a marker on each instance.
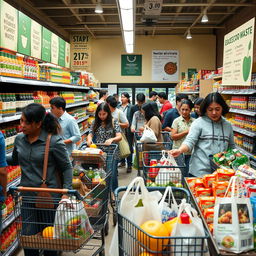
(224, 174)
(191, 183)
(209, 215)
(199, 183)
(208, 179)
(206, 202)
(219, 188)
(203, 192)
(210, 226)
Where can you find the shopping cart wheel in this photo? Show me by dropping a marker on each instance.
(106, 228)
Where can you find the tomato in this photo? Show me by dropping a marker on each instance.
(156, 229)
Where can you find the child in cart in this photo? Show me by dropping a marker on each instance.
(28, 152)
(106, 130)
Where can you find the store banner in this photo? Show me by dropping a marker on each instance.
(55, 49)
(62, 48)
(67, 55)
(24, 34)
(46, 45)
(131, 65)
(238, 55)
(80, 52)
(36, 39)
(8, 26)
(165, 65)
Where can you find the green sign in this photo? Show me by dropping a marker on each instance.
(62, 46)
(46, 45)
(24, 34)
(191, 72)
(131, 65)
(8, 26)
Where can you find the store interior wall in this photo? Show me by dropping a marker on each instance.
(199, 53)
(235, 21)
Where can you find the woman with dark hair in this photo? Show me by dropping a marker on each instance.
(209, 134)
(197, 104)
(126, 107)
(180, 129)
(106, 130)
(28, 152)
(153, 121)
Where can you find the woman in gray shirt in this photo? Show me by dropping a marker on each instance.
(28, 152)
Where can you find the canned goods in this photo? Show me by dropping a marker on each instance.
(153, 162)
(250, 181)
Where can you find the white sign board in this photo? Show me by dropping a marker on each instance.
(36, 38)
(165, 65)
(55, 49)
(112, 89)
(238, 55)
(153, 7)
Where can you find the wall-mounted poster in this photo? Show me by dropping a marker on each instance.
(55, 49)
(36, 39)
(46, 45)
(24, 34)
(165, 65)
(238, 55)
(131, 65)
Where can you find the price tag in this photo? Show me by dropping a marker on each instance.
(153, 7)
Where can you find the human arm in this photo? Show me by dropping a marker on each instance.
(133, 125)
(117, 132)
(176, 135)
(74, 131)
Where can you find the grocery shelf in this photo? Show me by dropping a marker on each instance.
(239, 92)
(12, 248)
(243, 131)
(217, 77)
(242, 111)
(189, 92)
(85, 131)
(14, 183)
(77, 104)
(82, 119)
(8, 220)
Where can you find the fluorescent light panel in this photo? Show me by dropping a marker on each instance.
(127, 19)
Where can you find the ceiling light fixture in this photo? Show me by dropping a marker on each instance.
(204, 18)
(189, 36)
(98, 8)
(126, 9)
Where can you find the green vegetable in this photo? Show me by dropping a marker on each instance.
(247, 64)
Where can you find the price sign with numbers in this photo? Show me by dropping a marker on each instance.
(153, 7)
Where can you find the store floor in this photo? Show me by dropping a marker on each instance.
(124, 179)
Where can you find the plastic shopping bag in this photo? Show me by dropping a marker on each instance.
(168, 175)
(233, 220)
(195, 229)
(148, 135)
(71, 221)
(138, 205)
(169, 209)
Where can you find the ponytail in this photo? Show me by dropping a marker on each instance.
(35, 112)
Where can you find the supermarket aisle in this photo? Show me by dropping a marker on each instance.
(124, 179)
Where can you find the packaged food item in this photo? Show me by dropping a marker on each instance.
(206, 202)
(224, 174)
(209, 215)
(199, 183)
(203, 192)
(219, 188)
(191, 183)
(210, 226)
(208, 179)
(246, 169)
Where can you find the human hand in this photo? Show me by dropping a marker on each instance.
(141, 129)
(66, 201)
(174, 152)
(108, 142)
(132, 130)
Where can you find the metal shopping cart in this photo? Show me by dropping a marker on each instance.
(140, 147)
(157, 173)
(132, 240)
(35, 226)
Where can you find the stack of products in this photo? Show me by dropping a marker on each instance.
(7, 237)
(59, 75)
(244, 122)
(244, 142)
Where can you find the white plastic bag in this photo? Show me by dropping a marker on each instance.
(138, 206)
(233, 220)
(188, 244)
(168, 209)
(168, 174)
(71, 221)
(148, 135)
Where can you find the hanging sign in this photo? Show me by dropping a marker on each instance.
(67, 55)
(80, 52)
(46, 45)
(36, 39)
(153, 7)
(9, 26)
(24, 34)
(131, 65)
(55, 49)
(238, 55)
(165, 65)
(62, 48)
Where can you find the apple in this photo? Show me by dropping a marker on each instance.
(247, 64)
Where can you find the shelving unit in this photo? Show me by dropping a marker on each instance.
(11, 249)
(242, 111)
(244, 132)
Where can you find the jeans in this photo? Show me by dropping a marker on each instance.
(113, 165)
(128, 160)
(187, 159)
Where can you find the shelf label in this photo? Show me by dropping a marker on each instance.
(24, 34)
(80, 52)
(36, 38)
(238, 55)
(9, 26)
(46, 45)
(55, 49)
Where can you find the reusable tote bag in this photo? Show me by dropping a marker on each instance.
(148, 135)
(168, 174)
(147, 209)
(233, 220)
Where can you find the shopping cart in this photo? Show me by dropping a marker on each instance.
(140, 147)
(132, 240)
(156, 173)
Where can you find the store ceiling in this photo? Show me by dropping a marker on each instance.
(176, 17)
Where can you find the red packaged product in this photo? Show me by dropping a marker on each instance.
(203, 192)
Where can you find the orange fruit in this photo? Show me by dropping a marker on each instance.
(146, 254)
(48, 232)
(93, 146)
(156, 229)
